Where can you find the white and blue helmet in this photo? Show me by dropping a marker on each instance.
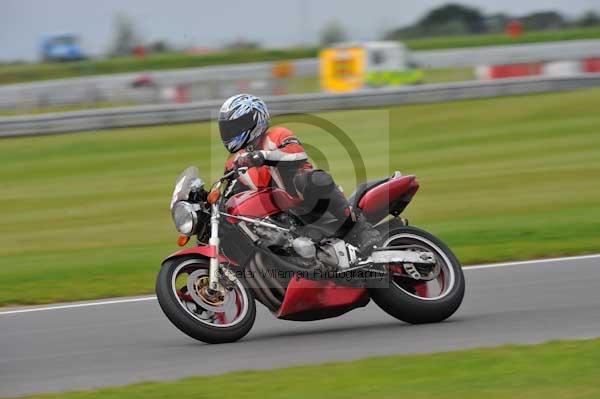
(242, 119)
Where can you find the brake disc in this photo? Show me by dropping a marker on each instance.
(197, 284)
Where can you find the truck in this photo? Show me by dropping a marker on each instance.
(352, 66)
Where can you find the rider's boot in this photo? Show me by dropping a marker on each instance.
(355, 229)
(363, 235)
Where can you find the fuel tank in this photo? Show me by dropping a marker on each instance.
(261, 203)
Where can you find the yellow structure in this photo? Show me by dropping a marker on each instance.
(349, 67)
(342, 69)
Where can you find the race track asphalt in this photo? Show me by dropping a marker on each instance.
(72, 348)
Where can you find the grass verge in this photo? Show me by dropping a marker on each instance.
(566, 370)
(85, 216)
(43, 71)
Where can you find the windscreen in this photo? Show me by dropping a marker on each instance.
(184, 184)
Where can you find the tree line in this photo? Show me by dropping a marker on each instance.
(458, 19)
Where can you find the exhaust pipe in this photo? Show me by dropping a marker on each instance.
(262, 291)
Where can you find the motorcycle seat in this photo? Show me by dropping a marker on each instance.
(362, 189)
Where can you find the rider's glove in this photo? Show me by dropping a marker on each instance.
(255, 158)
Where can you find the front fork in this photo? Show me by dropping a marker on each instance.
(214, 242)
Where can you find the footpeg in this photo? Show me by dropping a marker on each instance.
(338, 253)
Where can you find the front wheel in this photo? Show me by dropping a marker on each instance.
(429, 300)
(225, 316)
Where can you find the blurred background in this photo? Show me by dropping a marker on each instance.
(69, 55)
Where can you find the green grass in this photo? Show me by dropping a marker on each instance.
(445, 75)
(43, 71)
(86, 215)
(566, 370)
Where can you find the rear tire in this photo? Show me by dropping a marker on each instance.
(410, 308)
(174, 309)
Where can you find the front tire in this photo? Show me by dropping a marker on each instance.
(207, 323)
(411, 300)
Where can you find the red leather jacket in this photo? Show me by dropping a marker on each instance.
(285, 156)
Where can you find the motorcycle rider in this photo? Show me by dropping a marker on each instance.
(275, 157)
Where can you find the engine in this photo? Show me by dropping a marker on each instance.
(303, 246)
(288, 245)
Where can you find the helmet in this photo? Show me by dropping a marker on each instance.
(242, 119)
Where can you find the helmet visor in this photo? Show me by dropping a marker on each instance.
(230, 129)
(237, 143)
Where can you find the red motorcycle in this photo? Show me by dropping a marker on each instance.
(253, 246)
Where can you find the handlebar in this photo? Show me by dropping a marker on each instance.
(233, 174)
(230, 177)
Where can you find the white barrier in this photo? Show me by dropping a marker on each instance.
(202, 111)
(211, 81)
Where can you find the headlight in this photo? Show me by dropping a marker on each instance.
(185, 218)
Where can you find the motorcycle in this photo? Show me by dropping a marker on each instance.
(252, 246)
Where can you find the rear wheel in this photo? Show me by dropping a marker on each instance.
(225, 316)
(419, 301)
